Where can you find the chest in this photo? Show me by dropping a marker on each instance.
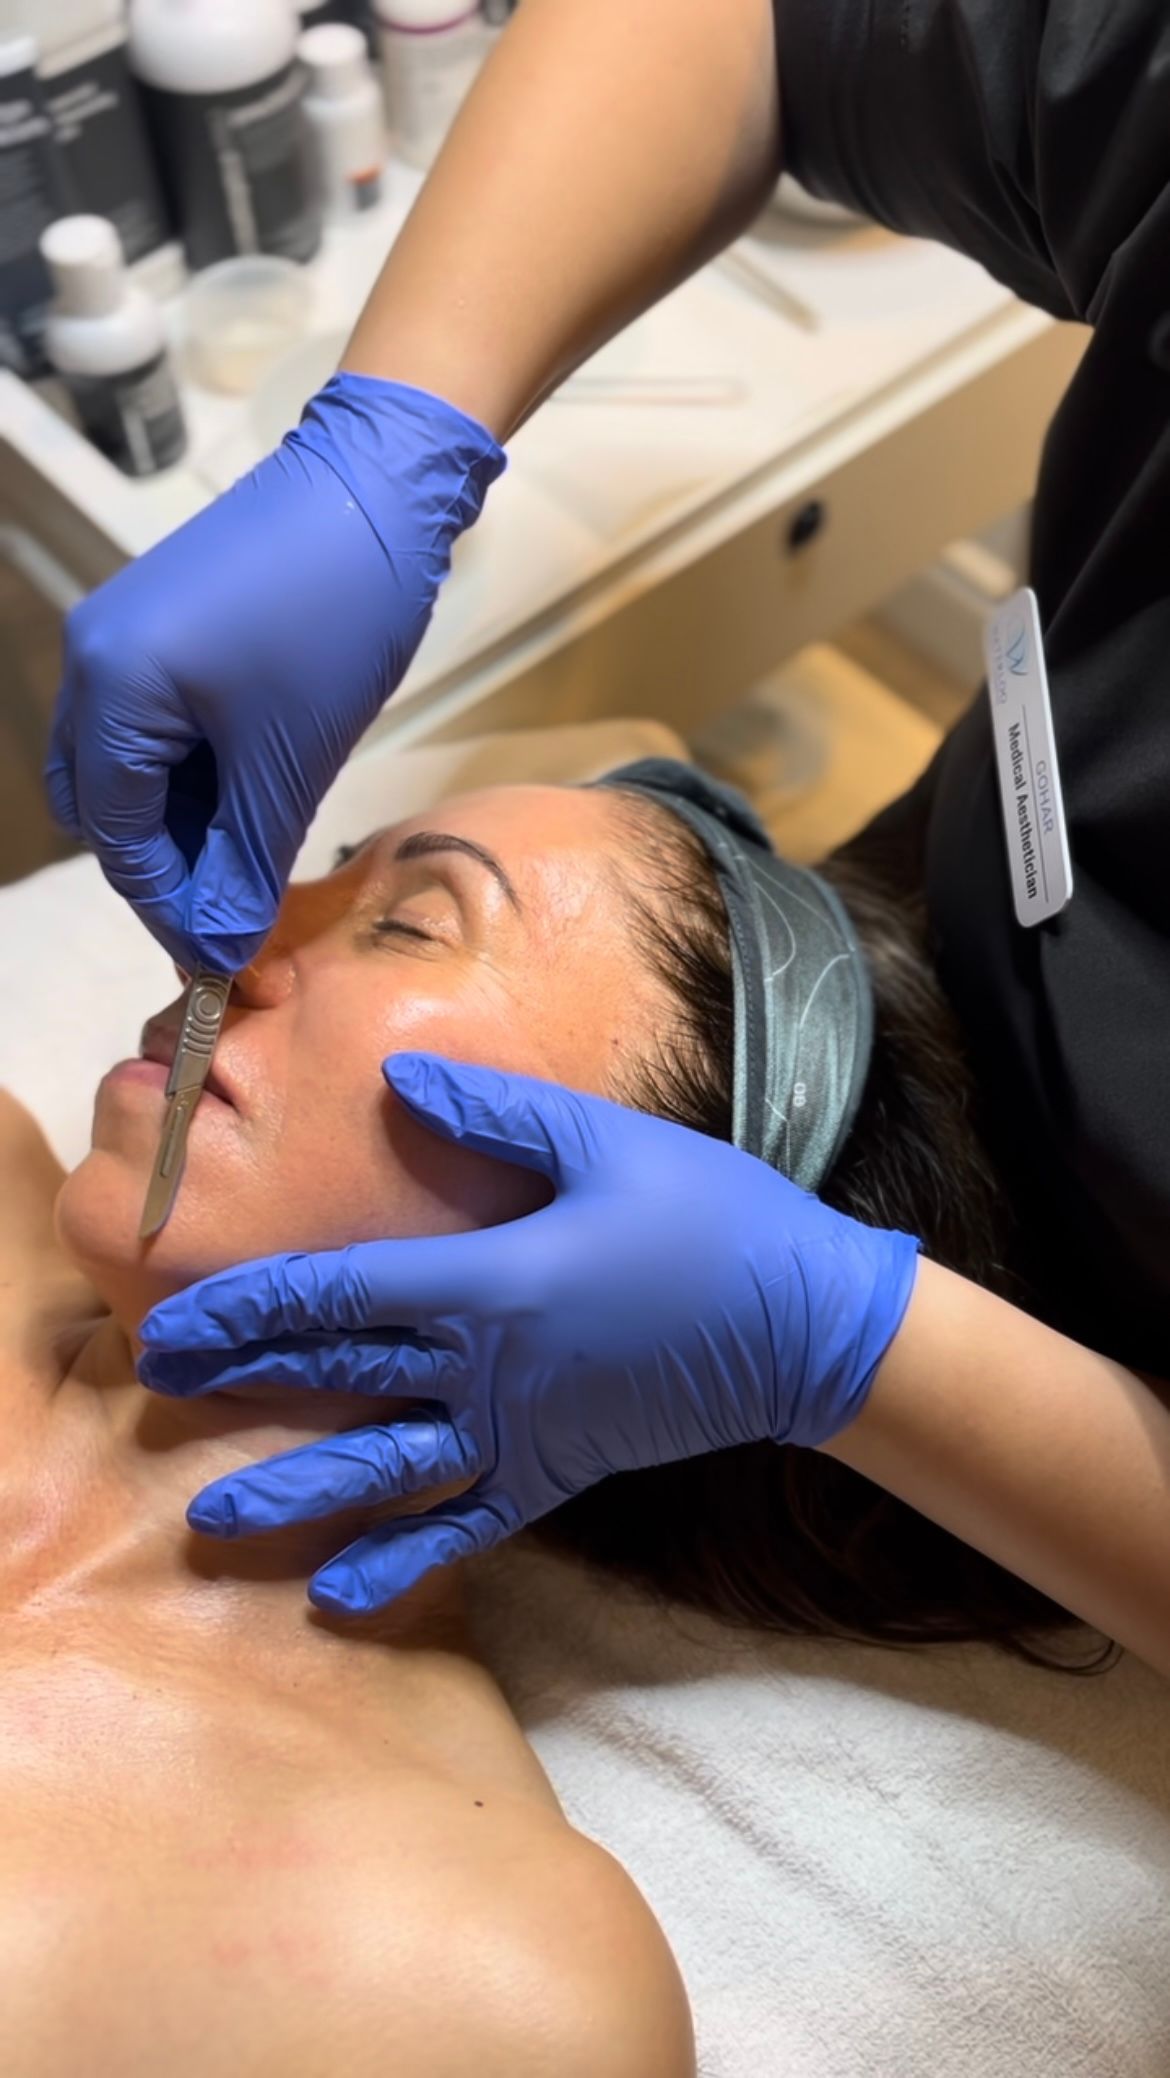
(166, 1880)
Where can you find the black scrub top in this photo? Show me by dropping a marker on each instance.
(1034, 135)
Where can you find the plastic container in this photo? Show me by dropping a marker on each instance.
(106, 339)
(430, 52)
(346, 117)
(31, 195)
(223, 93)
(313, 13)
(242, 316)
(97, 116)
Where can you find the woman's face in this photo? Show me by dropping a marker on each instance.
(492, 929)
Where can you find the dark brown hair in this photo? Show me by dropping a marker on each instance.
(781, 1537)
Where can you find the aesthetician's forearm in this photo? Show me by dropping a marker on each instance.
(1052, 1460)
(608, 148)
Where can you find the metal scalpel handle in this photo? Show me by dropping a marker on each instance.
(207, 1001)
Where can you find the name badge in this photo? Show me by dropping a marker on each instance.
(1025, 753)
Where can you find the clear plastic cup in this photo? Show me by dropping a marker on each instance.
(241, 316)
(282, 396)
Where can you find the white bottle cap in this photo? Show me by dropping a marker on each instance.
(336, 56)
(84, 256)
(17, 54)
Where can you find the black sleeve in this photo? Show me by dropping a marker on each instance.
(1034, 135)
(1031, 134)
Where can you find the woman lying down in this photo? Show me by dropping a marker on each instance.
(240, 1836)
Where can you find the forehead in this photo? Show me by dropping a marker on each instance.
(567, 965)
(528, 819)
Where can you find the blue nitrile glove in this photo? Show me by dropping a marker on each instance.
(676, 1296)
(214, 688)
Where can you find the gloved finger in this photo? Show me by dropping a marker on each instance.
(58, 774)
(370, 1284)
(239, 879)
(390, 1560)
(517, 1118)
(353, 1364)
(357, 1469)
(122, 802)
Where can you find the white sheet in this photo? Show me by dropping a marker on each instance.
(870, 1865)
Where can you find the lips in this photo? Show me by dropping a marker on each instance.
(160, 1043)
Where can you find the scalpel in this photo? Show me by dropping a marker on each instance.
(203, 1015)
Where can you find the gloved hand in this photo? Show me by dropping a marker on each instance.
(676, 1296)
(213, 688)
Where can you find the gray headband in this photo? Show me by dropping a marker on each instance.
(803, 1002)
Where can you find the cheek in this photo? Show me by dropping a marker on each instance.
(442, 1189)
(369, 1165)
(368, 1169)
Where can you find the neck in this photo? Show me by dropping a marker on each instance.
(122, 1465)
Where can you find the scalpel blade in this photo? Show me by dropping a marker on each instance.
(168, 1162)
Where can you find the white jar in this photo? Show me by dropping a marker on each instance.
(223, 95)
(343, 104)
(106, 339)
(431, 51)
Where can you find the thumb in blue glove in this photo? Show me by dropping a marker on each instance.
(675, 1296)
(213, 689)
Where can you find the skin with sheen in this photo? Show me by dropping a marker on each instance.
(429, 951)
(237, 1836)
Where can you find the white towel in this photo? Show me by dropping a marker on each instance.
(927, 1864)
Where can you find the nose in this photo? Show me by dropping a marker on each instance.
(267, 980)
(306, 911)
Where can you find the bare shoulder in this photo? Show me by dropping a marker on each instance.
(30, 1177)
(623, 2010)
(531, 1955)
(1160, 1387)
(589, 1987)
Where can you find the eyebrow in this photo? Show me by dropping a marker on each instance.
(422, 844)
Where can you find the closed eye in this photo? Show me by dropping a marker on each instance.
(389, 926)
(382, 926)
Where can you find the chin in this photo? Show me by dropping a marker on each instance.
(97, 1216)
(99, 1207)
